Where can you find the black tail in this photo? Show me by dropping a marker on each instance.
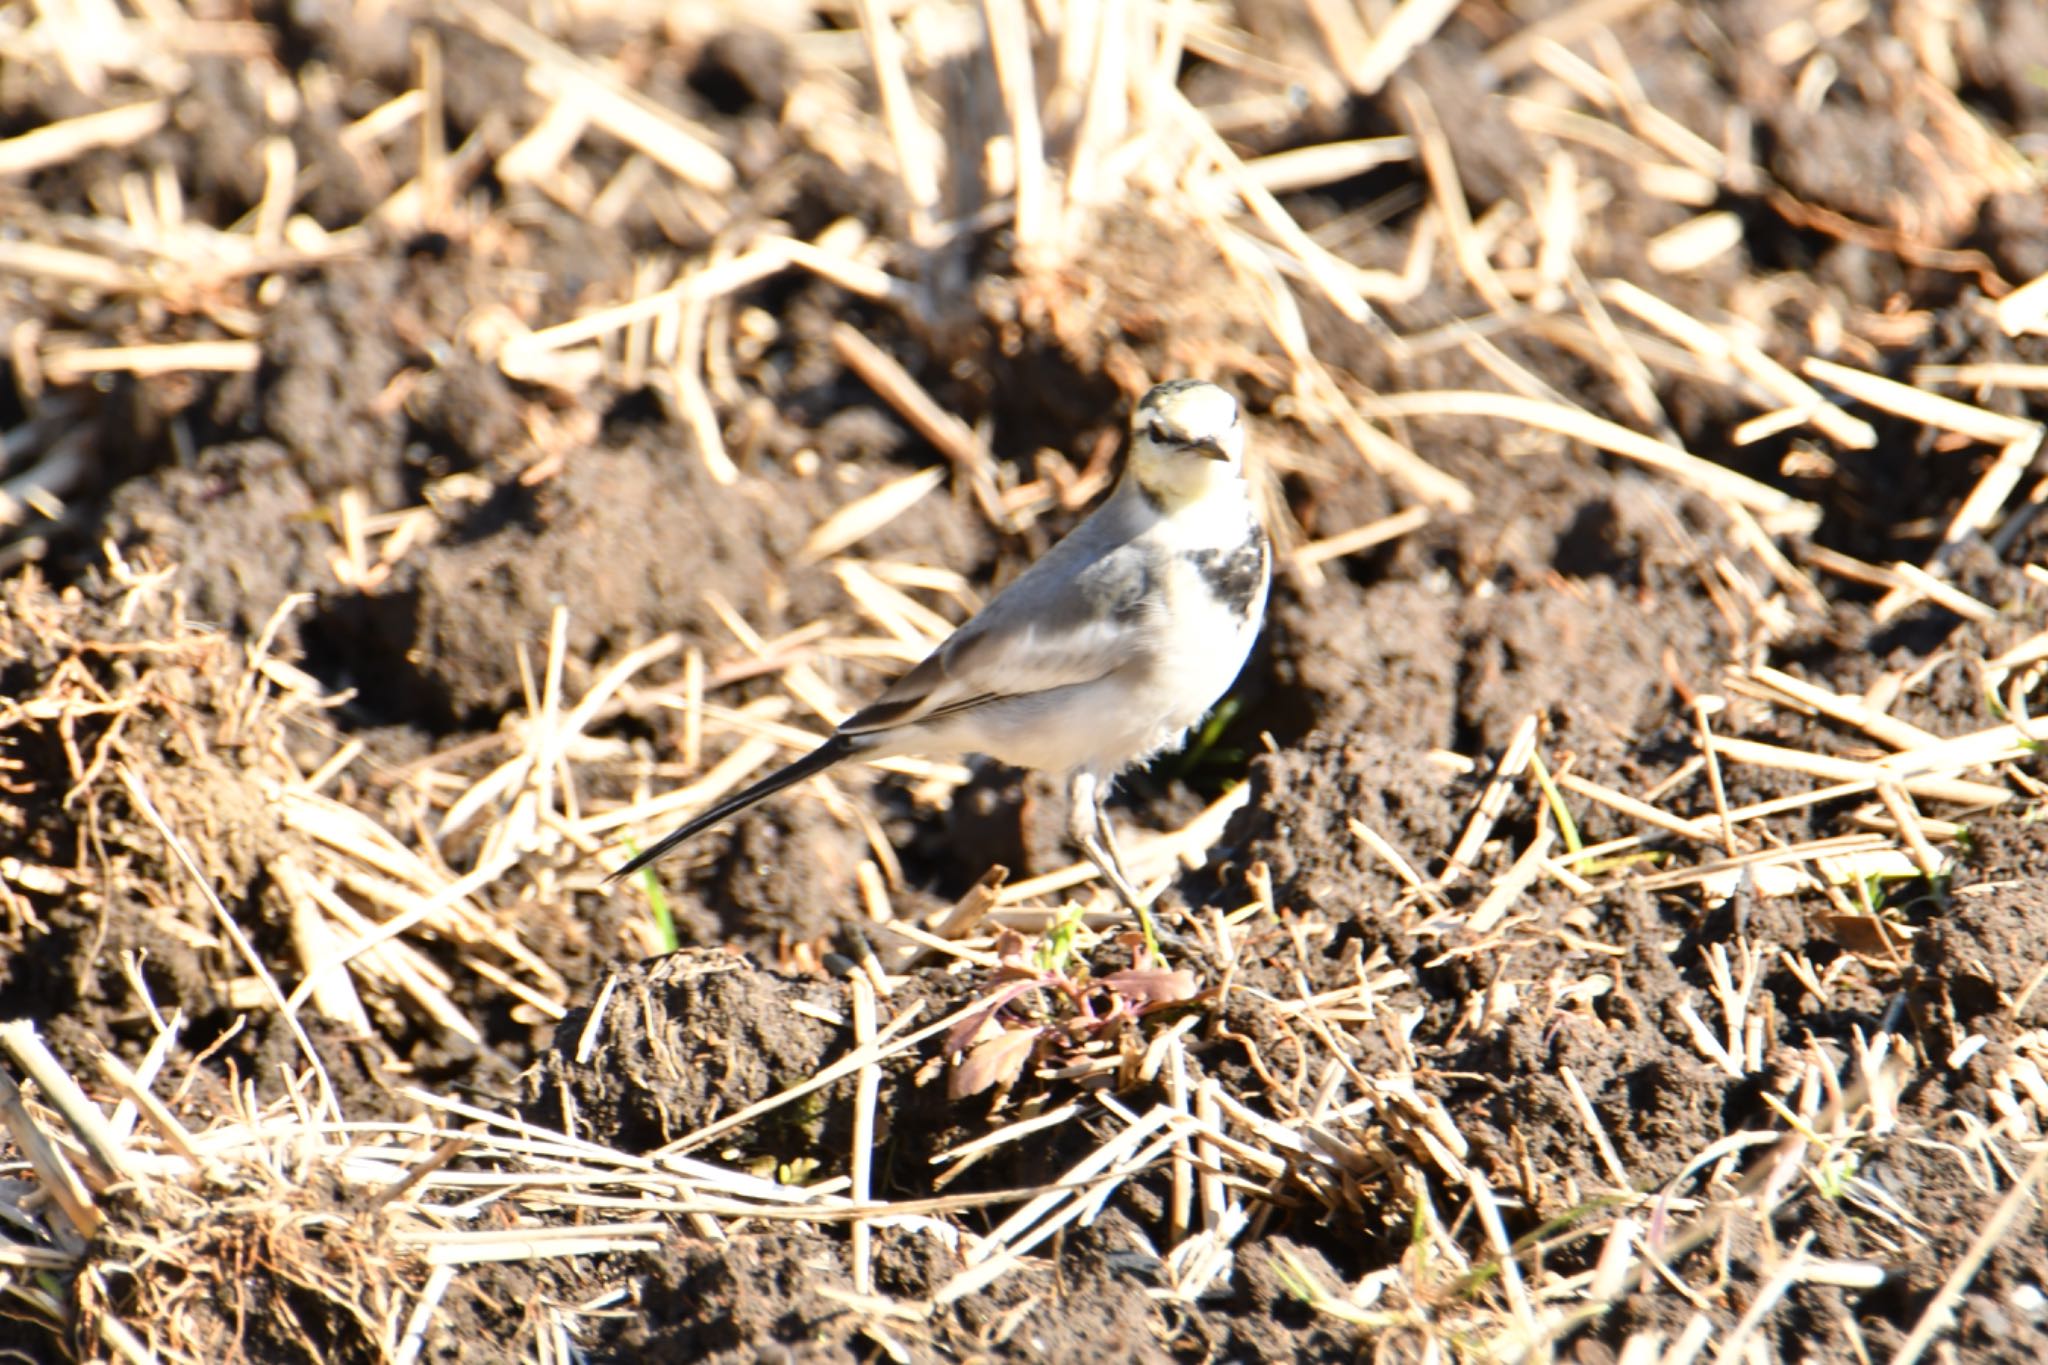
(816, 761)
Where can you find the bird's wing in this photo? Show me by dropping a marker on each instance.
(1067, 620)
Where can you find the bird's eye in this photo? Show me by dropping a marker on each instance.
(1157, 427)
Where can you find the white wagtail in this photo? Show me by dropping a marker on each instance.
(1101, 654)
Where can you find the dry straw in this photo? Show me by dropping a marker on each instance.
(399, 890)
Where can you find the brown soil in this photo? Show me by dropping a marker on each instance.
(1582, 590)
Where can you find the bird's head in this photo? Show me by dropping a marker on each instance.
(1186, 437)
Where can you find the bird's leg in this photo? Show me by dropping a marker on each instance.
(1107, 829)
(1088, 826)
(1129, 888)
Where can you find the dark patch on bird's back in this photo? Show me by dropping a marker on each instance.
(1235, 575)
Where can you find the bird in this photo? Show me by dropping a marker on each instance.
(1100, 655)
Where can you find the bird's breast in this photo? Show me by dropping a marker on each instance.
(1216, 600)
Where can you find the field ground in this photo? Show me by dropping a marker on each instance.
(443, 447)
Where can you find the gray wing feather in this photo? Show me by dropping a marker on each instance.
(1076, 615)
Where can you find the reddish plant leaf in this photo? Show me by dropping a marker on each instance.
(1152, 986)
(967, 1029)
(994, 1061)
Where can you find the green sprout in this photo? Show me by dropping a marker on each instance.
(1834, 1174)
(657, 908)
(1596, 867)
(1566, 827)
(1056, 949)
(1203, 752)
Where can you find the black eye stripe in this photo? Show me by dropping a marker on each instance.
(1161, 431)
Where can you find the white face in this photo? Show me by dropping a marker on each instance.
(1186, 420)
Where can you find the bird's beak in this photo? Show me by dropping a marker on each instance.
(1210, 447)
